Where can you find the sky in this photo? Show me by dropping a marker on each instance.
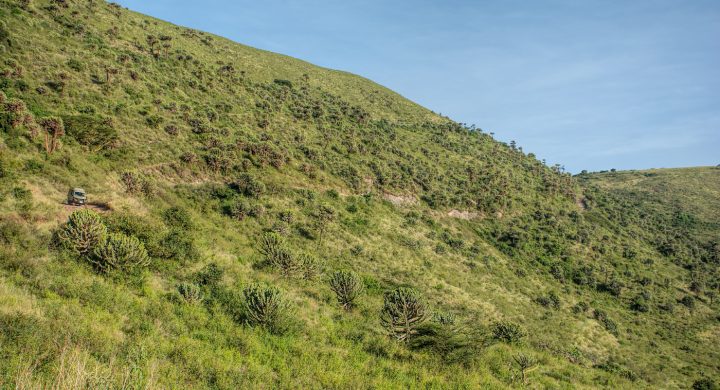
(591, 84)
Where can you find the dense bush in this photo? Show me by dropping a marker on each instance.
(209, 275)
(705, 384)
(154, 121)
(83, 232)
(94, 132)
(310, 266)
(508, 332)
(172, 129)
(278, 255)
(550, 300)
(249, 186)
(688, 301)
(614, 287)
(640, 303)
(177, 245)
(190, 292)
(266, 307)
(136, 183)
(402, 312)
(607, 323)
(448, 342)
(347, 287)
(179, 218)
(120, 252)
(239, 209)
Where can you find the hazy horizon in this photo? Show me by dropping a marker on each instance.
(593, 86)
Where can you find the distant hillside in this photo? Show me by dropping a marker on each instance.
(689, 194)
(255, 221)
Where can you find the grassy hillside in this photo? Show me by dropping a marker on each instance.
(690, 194)
(234, 191)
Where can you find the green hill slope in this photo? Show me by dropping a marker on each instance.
(688, 194)
(232, 191)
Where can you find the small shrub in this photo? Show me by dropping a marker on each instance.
(310, 266)
(120, 252)
(210, 275)
(83, 232)
(277, 255)
(688, 301)
(524, 363)
(190, 292)
(603, 318)
(357, 250)
(640, 303)
(580, 307)
(705, 384)
(57, 86)
(154, 121)
(613, 287)
(347, 287)
(137, 184)
(172, 129)
(266, 307)
(508, 332)
(286, 216)
(403, 311)
(280, 228)
(446, 341)
(550, 300)
(75, 65)
(444, 318)
(22, 85)
(249, 186)
(667, 307)
(558, 272)
(189, 158)
(177, 245)
(179, 218)
(4, 36)
(238, 209)
(284, 83)
(616, 368)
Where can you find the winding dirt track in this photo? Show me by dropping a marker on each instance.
(101, 208)
(68, 209)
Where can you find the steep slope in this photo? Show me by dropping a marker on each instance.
(206, 152)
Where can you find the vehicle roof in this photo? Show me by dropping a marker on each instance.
(78, 189)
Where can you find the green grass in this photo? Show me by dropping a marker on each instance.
(348, 172)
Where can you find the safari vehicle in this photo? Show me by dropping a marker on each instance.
(76, 196)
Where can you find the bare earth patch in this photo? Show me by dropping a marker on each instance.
(467, 215)
(399, 200)
(582, 203)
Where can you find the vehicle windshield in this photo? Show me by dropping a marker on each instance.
(78, 193)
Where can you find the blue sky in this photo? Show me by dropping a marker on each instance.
(593, 85)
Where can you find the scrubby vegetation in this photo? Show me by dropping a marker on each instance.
(347, 287)
(266, 307)
(403, 311)
(83, 232)
(242, 202)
